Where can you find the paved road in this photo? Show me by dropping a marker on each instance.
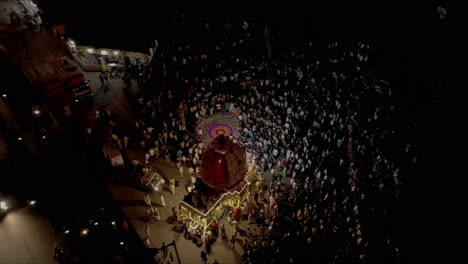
(130, 199)
(113, 96)
(26, 237)
(29, 50)
(132, 204)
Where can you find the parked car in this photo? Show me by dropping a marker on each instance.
(152, 180)
(113, 154)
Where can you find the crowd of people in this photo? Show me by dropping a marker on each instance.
(324, 139)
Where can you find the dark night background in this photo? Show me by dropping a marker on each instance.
(414, 45)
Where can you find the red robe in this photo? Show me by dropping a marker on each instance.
(237, 214)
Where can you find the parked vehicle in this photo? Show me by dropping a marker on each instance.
(152, 180)
(112, 153)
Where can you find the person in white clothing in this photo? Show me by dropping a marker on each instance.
(147, 231)
(181, 171)
(147, 156)
(172, 185)
(163, 201)
(148, 242)
(147, 199)
(126, 141)
(191, 171)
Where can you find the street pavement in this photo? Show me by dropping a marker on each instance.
(26, 237)
(29, 50)
(130, 199)
(113, 96)
(34, 49)
(131, 202)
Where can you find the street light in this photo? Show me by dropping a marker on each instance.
(4, 95)
(32, 202)
(37, 112)
(122, 243)
(67, 231)
(84, 232)
(20, 138)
